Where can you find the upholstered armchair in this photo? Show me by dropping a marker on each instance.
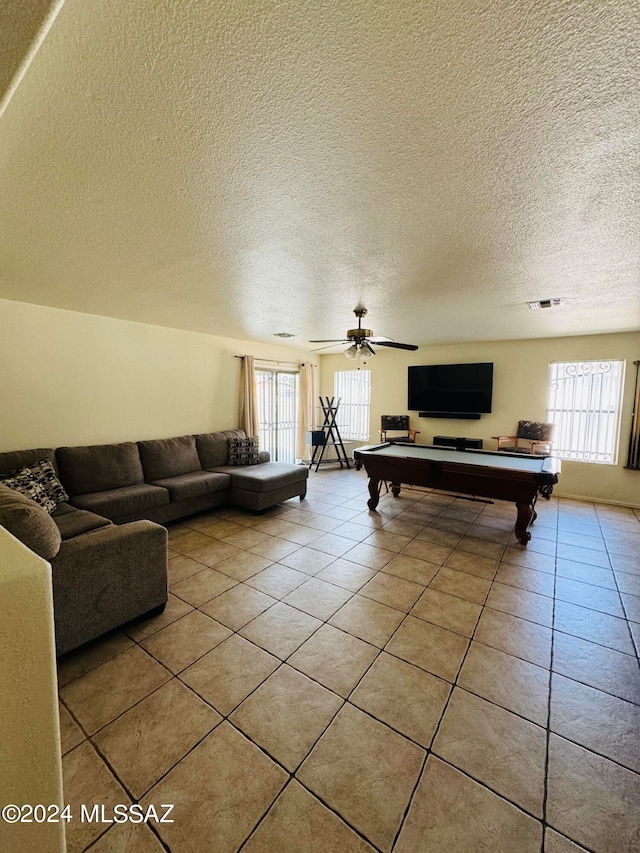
(532, 437)
(395, 423)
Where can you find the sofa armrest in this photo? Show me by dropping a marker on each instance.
(107, 577)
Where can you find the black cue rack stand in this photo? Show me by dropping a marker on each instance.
(327, 435)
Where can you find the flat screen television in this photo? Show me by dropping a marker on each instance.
(456, 389)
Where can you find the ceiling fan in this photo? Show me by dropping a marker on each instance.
(361, 340)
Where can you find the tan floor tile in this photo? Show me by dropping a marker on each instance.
(87, 780)
(247, 538)
(600, 722)
(281, 629)
(366, 772)
(352, 530)
(369, 556)
(227, 674)
(588, 595)
(423, 549)
(448, 611)
(482, 547)
(71, 735)
(190, 541)
(529, 579)
(308, 561)
(330, 543)
(556, 843)
(602, 668)
(91, 655)
(175, 609)
(522, 603)
(275, 548)
(214, 552)
(473, 564)
(593, 626)
(334, 658)
(220, 528)
(298, 533)
(626, 563)
(496, 747)
(635, 633)
(243, 566)
(631, 606)
(104, 693)
(522, 556)
(318, 598)
(585, 574)
(461, 584)
(628, 582)
(286, 715)
(489, 533)
(446, 538)
(277, 580)
(220, 791)
(393, 591)
(184, 641)
(514, 684)
(351, 576)
(383, 538)
(237, 606)
(411, 569)
(369, 620)
(451, 813)
(128, 838)
(403, 696)
(583, 555)
(430, 647)
(299, 823)
(403, 527)
(174, 530)
(151, 737)
(454, 525)
(515, 636)
(592, 800)
(181, 567)
(200, 588)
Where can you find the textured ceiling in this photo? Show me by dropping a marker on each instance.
(244, 168)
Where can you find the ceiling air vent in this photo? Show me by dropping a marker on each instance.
(546, 303)
(283, 335)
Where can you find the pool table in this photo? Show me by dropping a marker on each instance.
(505, 476)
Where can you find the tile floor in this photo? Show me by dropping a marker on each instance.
(327, 680)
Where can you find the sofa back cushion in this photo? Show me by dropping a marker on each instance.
(213, 447)
(99, 467)
(168, 457)
(20, 458)
(29, 523)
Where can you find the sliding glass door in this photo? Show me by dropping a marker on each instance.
(278, 412)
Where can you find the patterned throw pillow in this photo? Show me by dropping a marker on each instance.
(38, 482)
(244, 451)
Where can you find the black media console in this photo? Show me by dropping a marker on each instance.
(458, 442)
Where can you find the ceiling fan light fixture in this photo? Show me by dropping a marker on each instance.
(351, 352)
(367, 351)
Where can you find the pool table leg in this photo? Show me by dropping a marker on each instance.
(525, 514)
(374, 491)
(395, 489)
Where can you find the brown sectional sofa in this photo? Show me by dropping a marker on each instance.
(108, 558)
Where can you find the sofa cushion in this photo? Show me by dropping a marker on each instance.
(169, 457)
(26, 483)
(194, 484)
(244, 451)
(29, 523)
(19, 458)
(99, 467)
(213, 447)
(113, 503)
(74, 522)
(265, 477)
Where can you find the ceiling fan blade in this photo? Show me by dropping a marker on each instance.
(330, 341)
(396, 345)
(329, 346)
(379, 339)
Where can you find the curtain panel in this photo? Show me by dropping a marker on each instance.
(306, 409)
(248, 398)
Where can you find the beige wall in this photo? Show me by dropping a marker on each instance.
(519, 392)
(30, 764)
(68, 378)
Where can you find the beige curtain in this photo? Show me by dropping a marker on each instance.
(248, 398)
(306, 408)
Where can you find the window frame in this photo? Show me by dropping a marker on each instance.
(348, 429)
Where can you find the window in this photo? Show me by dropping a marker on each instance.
(353, 387)
(585, 399)
(277, 392)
